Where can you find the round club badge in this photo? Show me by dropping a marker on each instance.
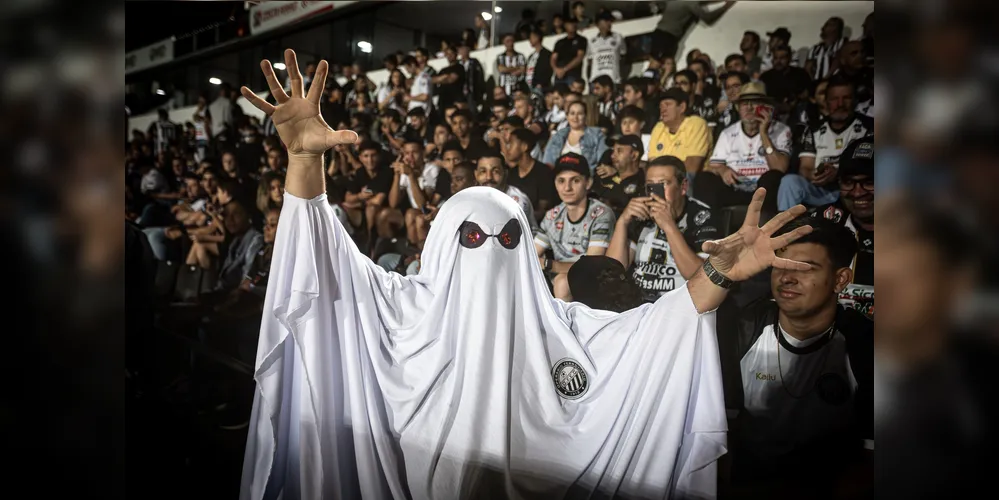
(570, 379)
(832, 389)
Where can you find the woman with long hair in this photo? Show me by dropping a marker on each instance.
(390, 95)
(270, 192)
(576, 138)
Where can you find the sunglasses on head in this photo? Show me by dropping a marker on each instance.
(472, 236)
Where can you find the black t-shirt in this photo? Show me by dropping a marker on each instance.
(617, 192)
(825, 402)
(476, 147)
(381, 183)
(451, 92)
(538, 184)
(566, 50)
(784, 87)
(443, 185)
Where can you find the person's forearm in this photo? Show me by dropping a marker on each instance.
(574, 63)
(686, 258)
(395, 195)
(306, 177)
(418, 195)
(561, 267)
(806, 167)
(776, 160)
(618, 249)
(419, 98)
(705, 295)
(694, 164)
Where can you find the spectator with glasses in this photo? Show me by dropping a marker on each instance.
(855, 211)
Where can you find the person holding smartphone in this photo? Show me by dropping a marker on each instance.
(658, 237)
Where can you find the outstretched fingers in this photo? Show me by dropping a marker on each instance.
(291, 64)
(318, 83)
(259, 103)
(755, 207)
(782, 218)
(790, 237)
(272, 82)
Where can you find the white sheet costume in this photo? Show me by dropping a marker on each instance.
(469, 380)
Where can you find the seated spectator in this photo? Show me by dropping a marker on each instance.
(799, 370)
(243, 244)
(393, 132)
(579, 225)
(527, 174)
(704, 92)
(490, 171)
(524, 109)
(211, 231)
(631, 121)
(658, 238)
(555, 102)
(368, 190)
(413, 188)
(786, 83)
(815, 183)
(616, 185)
(588, 142)
(270, 193)
(855, 211)
(599, 282)
(462, 177)
(472, 144)
(442, 135)
(603, 89)
(679, 134)
(728, 112)
(755, 152)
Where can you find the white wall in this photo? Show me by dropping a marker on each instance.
(802, 18)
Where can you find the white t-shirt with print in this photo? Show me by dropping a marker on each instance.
(421, 85)
(428, 180)
(746, 154)
(604, 55)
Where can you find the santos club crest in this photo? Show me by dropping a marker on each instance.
(570, 379)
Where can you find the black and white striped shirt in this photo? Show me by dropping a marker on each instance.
(506, 80)
(163, 133)
(823, 56)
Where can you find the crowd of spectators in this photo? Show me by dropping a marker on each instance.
(622, 176)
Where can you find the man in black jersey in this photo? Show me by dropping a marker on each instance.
(798, 370)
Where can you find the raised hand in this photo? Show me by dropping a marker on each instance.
(297, 118)
(751, 250)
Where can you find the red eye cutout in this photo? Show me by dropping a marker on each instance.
(472, 235)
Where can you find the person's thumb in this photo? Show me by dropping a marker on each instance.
(335, 137)
(709, 247)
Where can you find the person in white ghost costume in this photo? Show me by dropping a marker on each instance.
(469, 380)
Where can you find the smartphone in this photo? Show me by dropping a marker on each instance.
(759, 109)
(656, 189)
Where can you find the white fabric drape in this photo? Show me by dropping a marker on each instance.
(439, 386)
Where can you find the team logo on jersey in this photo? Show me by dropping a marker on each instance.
(832, 389)
(832, 213)
(630, 189)
(559, 225)
(868, 242)
(701, 217)
(552, 214)
(597, 212)
(659, 146)
(839, 143)
(858, 127)
(570, 379)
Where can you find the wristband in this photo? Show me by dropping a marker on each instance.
(716, 276)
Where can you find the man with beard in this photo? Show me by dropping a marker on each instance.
(815, 183)
(855, 210)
